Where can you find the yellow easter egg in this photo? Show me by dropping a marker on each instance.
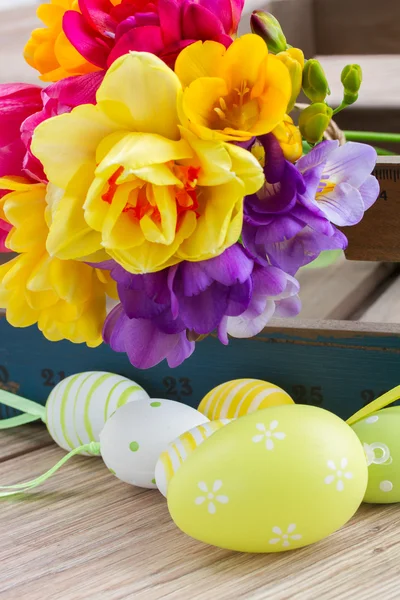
(274, 480)
(173, 456)
(240, 397)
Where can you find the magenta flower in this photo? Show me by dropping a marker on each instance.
(17, 102)
(160, 312)
(58, 98)
(103, 32)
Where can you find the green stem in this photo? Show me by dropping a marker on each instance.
(339, 108)
(383, 152)
(372, 136)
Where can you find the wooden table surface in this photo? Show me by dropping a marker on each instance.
(84, 535)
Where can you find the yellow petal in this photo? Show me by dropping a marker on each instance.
(139, 92)
(247, 168)
(70, 236)
(219, 224)
(199, 100)
(71, 280)
(244, 59)
(67, 143)
(149, 257)
(276, 97)
(19, 313)
(201, 59)
(164, 232)
(40, 300)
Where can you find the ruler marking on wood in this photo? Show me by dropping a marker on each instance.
(377, 236)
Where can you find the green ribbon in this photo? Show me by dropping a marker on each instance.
(33, 411)
(21, 488)
(375, 405)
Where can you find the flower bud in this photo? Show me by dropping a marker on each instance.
(315, 84)
(266, 26)
(314, 120)
(293, 58)
(289, 138)
(351, 80)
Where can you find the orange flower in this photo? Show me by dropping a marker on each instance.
(48, 49)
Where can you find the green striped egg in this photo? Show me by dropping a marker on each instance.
(79, 406)
(177, 451)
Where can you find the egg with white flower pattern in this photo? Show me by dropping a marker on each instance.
(379, 434)
(173, 456)
(277, 479)
(240, 397)
(135, 435)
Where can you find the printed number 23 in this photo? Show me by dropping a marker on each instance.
(178, 387)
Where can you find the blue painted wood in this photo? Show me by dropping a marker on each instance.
(338, 370)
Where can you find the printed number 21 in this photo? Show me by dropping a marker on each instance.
(51, 378)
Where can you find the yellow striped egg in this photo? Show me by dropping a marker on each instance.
(171, 459)
(79, 406)
(240, 397)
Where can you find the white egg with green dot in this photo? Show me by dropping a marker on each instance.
(134, 437)
(77, 407)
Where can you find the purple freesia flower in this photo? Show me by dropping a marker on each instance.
(160, 312)
(339, 180)
(290, 221)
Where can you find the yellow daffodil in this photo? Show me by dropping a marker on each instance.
(289, 138)
(235, 93)
(48, 49)
(128, 179)
(67, 299)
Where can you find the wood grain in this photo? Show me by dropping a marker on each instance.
(386, 308)
(22, 440)
(85, 535)
(336, 291)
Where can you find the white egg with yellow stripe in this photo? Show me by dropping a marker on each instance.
(240, 397)
(79, 406)
(171, 459)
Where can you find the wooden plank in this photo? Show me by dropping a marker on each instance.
(335, 364)
(376, 237)
(336, 291)
(386, 308)
(85, 535)
(22, 440)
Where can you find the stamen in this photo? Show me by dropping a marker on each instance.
(220, 113)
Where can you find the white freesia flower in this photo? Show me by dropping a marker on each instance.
(268, 435)
(210, 496)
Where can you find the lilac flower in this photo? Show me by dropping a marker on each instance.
(290, 221)
(231, 293)
(339, 180)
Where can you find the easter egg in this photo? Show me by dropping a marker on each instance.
(240, 397)
(277, 479)
(78, 406)
(173, 456)
(380, 435)
(135, 435)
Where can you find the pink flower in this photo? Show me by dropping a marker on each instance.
(4, 229)
(58, 98)
(102, 32)
(17, 102)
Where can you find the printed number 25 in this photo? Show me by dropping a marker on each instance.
(178, 387)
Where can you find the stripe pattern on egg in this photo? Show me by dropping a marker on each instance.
(240, 397)
(171, 459)
(79, 406)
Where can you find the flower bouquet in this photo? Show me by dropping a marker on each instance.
(166, 164)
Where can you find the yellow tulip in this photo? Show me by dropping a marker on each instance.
(289, 138)
(235, 93)
(129, 179)
(67, 299)
(48, 49)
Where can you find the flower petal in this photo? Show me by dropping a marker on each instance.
(222, 499)
(348, 475)
(340, 486)
(277, 531)
(257, 438)
(369, 191)
(201, 59)
(217, 485)
(351, 163)
(199, 500)
(212, 508)
(343, 463)
(137, 107)
(331, 465)
(343, 206)
(329, 479)
(273, 425)
(269, 444)
(291, 528)
(203, 486)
